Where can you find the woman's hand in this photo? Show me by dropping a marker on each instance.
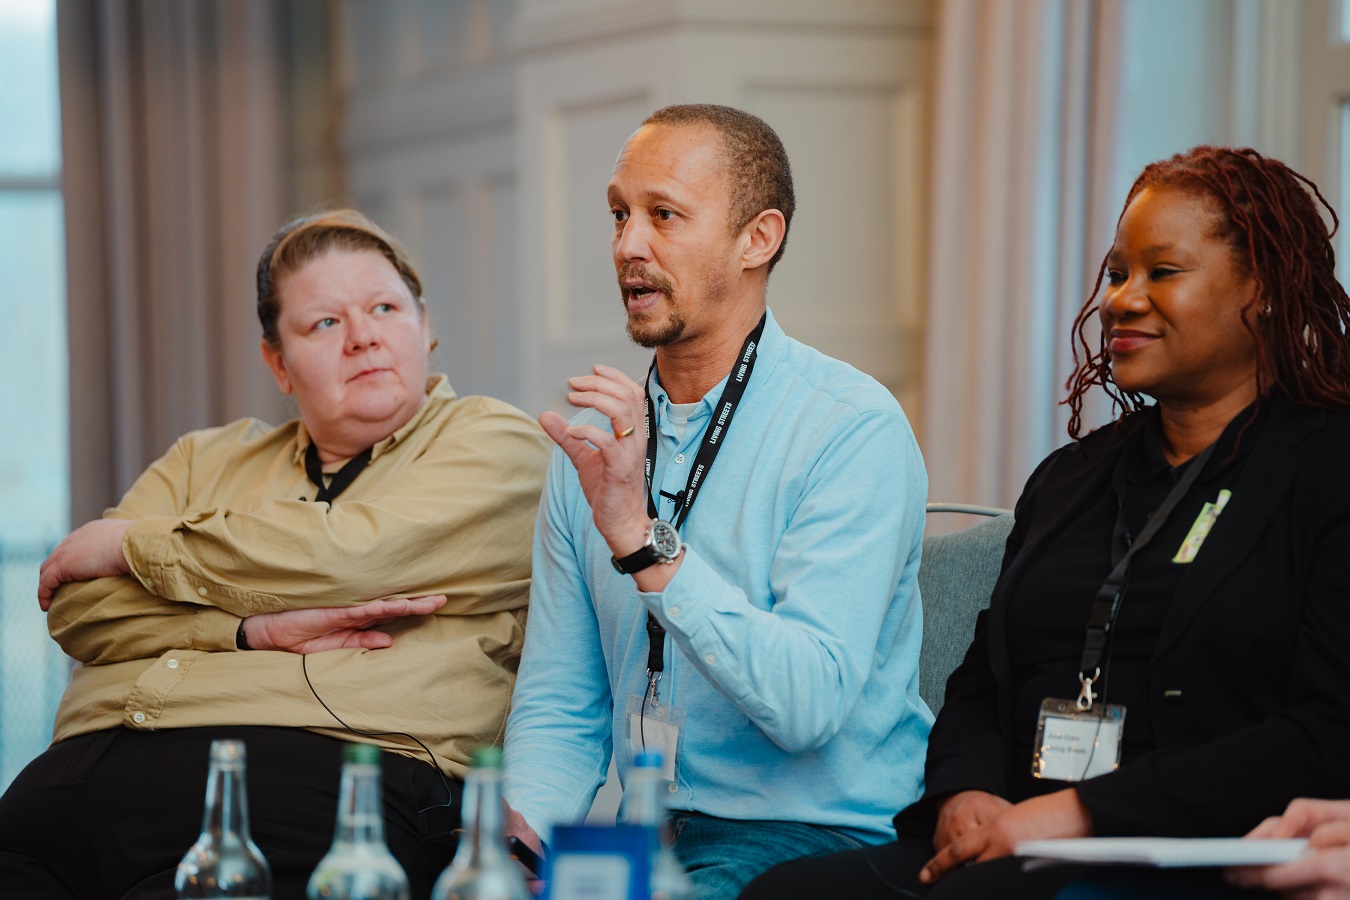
(306, 631)
(1322, 875)
(1057, 815)
(94, 550)
(965, 811)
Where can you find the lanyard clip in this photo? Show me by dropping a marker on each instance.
(653, 689)
(1085, 692)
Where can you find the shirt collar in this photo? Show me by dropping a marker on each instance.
(1148, 461)
(772, 344)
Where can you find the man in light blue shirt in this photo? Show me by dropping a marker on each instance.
(770, 559)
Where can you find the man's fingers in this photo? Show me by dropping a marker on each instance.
(1330, 834)
(1267, 829)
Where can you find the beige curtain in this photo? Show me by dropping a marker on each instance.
(1025, 116)
(173, 162)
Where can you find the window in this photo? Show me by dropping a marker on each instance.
(34, 475)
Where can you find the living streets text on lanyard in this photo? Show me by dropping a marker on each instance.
(713, 438)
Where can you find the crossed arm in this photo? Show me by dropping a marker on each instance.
(94, 551)
(157, 573)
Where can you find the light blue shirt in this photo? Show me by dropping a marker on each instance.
(793, 623)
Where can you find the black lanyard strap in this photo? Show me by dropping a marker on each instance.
(1106, 606)
(714, 436)
(341, 479)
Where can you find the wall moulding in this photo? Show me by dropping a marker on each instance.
(552, 24)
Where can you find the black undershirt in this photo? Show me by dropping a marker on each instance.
(1048, 609)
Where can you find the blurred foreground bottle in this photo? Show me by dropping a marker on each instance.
(482, 869)
(225, 863)
(644, 805)
(359, 866)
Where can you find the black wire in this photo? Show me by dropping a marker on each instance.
(449, 794)
(642, 715)
(890, 886)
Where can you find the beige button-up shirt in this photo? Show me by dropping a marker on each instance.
(226, 527)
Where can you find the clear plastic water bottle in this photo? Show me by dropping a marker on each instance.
(482, 869)
(644, 805)
(225, 863)
(359, 866)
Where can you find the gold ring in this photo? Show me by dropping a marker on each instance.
(626, 432)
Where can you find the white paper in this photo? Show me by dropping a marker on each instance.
(590, 876)
(660, 736)
(1167, 852)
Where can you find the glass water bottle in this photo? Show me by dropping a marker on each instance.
(482, 869)
(644, 805)
(359, 866)
(225, 863)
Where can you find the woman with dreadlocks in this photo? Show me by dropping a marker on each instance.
(1166, 650)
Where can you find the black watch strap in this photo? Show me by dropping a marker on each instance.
(663, 546)
(636, 562)
(241, 639)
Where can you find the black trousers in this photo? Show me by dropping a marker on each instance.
(108, 815)
(891, 870)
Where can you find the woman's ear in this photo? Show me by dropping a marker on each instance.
(277, 363)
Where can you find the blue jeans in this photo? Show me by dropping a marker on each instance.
(722, 856)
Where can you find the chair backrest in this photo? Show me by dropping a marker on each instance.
(956, 578)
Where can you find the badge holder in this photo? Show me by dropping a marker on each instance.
(655, 726)
(1074, 744)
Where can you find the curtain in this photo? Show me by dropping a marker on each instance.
(1021, 218)
(173, 148)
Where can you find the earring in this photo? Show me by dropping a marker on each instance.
(436, 342)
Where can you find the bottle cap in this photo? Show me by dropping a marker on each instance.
(489, 757)
(362, 754)
(227, 751)
(647, 759)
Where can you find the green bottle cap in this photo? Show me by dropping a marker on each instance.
(363, 754)
(489, 757)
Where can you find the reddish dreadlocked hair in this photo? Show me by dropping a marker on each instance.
(1267, 216)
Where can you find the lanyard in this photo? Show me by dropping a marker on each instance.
(1106, 607)
(342, 479)
(714, 436)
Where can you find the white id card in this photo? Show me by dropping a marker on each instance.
(655, 728)
(1072, 745)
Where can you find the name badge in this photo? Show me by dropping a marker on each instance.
(1075, 745)
(655, 727)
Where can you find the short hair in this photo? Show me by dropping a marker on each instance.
(757, 164)
(314, 235)
(1267, 215)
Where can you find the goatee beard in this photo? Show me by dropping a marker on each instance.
(645, 333)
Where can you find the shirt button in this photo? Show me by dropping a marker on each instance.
(138, 718)
(149, 585)
(679, 457)
(172, 664)
(201, 591)
(674, 611)
(710, 659)
(673, 788)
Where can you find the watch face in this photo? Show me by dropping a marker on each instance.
(665, 539)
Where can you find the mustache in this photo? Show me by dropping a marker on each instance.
(639, 272)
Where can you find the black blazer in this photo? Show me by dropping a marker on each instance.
(1257, 642)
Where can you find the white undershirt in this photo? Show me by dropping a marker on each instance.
(679, 418)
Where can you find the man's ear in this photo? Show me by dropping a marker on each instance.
(761, 237)
(275, 362)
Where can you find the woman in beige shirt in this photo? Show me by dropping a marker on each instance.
(373, 555)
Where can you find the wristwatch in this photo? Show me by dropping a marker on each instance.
(663, 546)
